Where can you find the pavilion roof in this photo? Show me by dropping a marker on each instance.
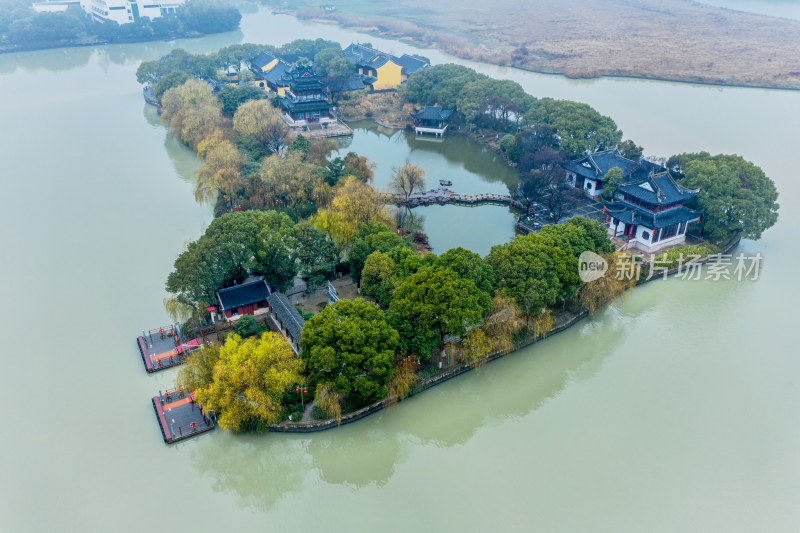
(245, 294)
(433, 112)
(631, 214)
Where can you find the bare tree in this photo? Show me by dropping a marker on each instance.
(546, 183)
(407, 179)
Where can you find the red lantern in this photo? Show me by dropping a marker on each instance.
(305, 391)
(297, 390)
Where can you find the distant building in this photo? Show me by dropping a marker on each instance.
(380, 70)
(288, 320)
(307, 99)
(431, 119)
(119, 11)
(55, 6)
(246, 299)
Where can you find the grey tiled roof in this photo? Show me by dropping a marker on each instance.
(433, 112)
(364, 56)
(656, 189)
(247, 293)
(287, 314)
(410, 64)
(262, 60)
(630, 214)
(597, 165)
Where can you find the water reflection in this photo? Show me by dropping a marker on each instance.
(59, 60)
(261, 469)
(258, 469)
(183, 159)
(471, 167)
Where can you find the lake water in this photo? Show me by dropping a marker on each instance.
(472, 168)
(789, 9)
(675, 410)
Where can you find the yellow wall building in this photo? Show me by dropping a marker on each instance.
(389, 71)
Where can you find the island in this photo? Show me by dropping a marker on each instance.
(392, 317)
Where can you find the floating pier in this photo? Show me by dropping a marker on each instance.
(180, 416)
(164, 347)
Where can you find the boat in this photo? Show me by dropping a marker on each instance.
(445, 183)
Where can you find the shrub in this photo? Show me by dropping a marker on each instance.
(246, 326)
(672, 257)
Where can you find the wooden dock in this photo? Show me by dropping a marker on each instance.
(442, 196)
(164, 348)
(180, 416)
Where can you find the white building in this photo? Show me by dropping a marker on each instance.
(55, 6)
(120, 11)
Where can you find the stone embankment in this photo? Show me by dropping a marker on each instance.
(564, 321)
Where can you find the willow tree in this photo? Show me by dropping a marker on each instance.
(198, 370)
(503, 322)
(404, 379)
(221, 171)
(289, 180)
(192, 93)
(354, 202)
(595, 294)
(262, 121)
(474, 347)
(359, 166)
(249, 380)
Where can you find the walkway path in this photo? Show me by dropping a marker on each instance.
(443, 195)
(308, 412)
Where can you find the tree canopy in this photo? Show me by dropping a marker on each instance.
(350, 346)
(578, 126)
(432, 304)
(262, 121)
(23, 27)
(735, 195)
(330, 63)
(249, 381)
(534, 271)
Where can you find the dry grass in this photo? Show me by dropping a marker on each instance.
(388, 109)
(668, 39)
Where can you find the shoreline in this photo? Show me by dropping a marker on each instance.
(432, 45)
(437, 379)
(34, 48)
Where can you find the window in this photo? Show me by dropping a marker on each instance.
(235, 311)
(669, 231)
(646, 235)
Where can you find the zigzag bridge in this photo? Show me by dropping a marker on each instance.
(443, 196)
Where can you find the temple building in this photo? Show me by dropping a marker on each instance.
(287, 319)
(246, 299)
(270, 71)
(307, 99)
(431, 119)
(587, 173)
(648, 211)
(382, 71)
